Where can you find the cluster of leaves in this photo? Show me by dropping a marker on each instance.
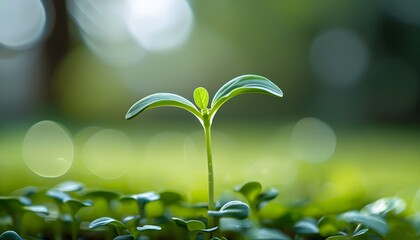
(167, 215)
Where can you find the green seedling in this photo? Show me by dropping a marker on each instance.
(141, 200)
(194, 227)
(16, 207)
(353, 224)
(252, 191)
(237, 86)
(120, 229)
(73, 205)
(117, 226)
(233, 209)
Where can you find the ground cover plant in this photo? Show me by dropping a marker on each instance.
(249, 211)
(72, 211)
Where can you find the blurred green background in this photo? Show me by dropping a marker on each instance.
(347, 126)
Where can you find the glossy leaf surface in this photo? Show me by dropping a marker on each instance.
(161, 100)
(244, 84)
(371, 221)
(106, 221)
(58, 195)
(360, 232)
(149, 227)
(306, 226)
(69, 186)
(232, 209)
(143, 198)
(37, 209)
(10, 235)
(384, 206)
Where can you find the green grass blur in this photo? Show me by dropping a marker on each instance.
(367, 163)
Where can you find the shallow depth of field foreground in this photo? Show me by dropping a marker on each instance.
(177, 119)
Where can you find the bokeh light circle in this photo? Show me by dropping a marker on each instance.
(104, 31)
(22, 22)
(108, 154)
(160, 24)
(339, 57)
(48, 149)
(313, 140)
(80, 139)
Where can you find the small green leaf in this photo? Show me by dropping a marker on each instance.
(201, 97)
(143, 198)
(58, 195)
(232, 209)
(69, 186)
(383, 206)
(180, 222)
(12, 203)
(169, 198)
(149, 227)
(250, 191)
(75, 204)
(360, 232)
(10, 235)
(266, 196)
(244, 84)
(161, 100)
(106, 221)
(37, 209)
(371, 221)
(306, 226)
(195, 225)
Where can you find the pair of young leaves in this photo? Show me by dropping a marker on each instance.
(240, 85)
